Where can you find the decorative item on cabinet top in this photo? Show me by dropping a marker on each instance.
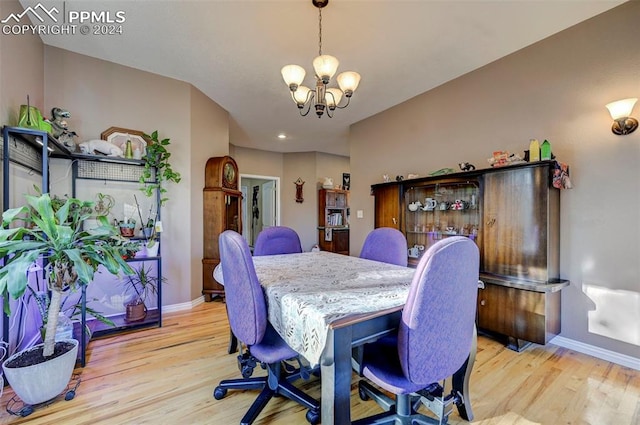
(223, 173)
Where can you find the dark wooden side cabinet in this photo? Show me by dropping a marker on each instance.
(517, 231)
(333, 225)
(222, 202)
(387, 206)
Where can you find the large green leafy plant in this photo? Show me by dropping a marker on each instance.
(51, 231)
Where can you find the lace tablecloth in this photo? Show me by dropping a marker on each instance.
(306, 292)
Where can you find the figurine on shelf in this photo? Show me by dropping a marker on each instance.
(466, 166)
(101, 146)
(60, 128)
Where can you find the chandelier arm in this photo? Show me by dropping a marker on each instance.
(308, 103)
(345, 105)
(329, 114)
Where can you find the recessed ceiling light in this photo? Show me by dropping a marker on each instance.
(282, 136)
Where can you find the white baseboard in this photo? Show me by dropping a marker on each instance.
(183, 306)
(601, 353)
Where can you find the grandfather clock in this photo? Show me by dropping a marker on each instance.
(222, 211)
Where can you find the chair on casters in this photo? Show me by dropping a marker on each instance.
(277, 240)
(387, 245)
(271, 241)
(247, 312)
(435, 341)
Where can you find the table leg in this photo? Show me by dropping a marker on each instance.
(335, 373)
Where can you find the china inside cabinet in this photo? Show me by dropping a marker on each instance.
(434, 211)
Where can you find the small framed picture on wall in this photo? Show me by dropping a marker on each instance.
(346, 181)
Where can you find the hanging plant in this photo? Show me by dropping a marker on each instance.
(157, 160)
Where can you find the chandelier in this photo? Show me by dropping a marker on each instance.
(323, 98)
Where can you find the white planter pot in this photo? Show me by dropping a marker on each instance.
(41, 382)
(153, 250)
(146, 251)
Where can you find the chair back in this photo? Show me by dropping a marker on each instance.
(387, 245)
(277, 240)
(246, 306)
(437, 327)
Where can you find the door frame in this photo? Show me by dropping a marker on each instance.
(270, 178)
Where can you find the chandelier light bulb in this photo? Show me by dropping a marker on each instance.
(333, 97)
(293, 76)
(348, 82)
(301, 96)
(325, 67)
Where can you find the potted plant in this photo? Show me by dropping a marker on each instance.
(53, 234)
(140, 285)
(157, 160)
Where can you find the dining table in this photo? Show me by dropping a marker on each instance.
(325, 305)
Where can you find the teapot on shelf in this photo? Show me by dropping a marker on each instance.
(415, 205)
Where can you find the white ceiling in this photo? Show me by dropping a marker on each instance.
(232, 50)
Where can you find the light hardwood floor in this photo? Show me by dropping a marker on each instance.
(167, 376)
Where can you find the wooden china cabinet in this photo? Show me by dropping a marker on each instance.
(513, 215)
(222, 203)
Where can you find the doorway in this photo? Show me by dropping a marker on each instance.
(260, 204)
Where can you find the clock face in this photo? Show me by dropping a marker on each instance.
(229, 174)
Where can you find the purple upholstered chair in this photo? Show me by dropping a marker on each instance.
(387, 245)
(271, 241)
(277, 240)
(247, 312)
(435, 338)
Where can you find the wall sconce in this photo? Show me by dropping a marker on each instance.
(620, 111)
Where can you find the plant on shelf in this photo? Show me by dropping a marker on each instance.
(139, 286)
(104, 205)
(157, 160)
(149, 230)
(52, 235)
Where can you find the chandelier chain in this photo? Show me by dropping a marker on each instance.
(319, 32)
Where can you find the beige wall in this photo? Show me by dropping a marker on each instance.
(101, 94)
(21, 70)
(257, 162)
(302, 217)
(555, 90)
(209, 138)
(332, 166)
(312, 167)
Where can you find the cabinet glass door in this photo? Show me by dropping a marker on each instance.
(436, 211)
(232, 211)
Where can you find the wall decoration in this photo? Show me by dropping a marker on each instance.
(346, 181)
(299, 183)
